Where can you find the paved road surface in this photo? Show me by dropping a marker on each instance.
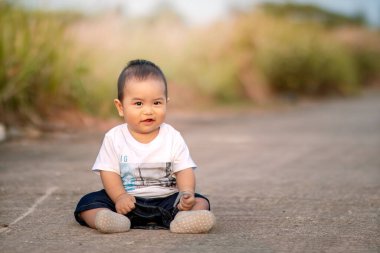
(299, 180)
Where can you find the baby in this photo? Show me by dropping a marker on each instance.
(145, 165)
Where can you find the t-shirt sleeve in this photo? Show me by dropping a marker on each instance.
(107, 158)
(182, 159)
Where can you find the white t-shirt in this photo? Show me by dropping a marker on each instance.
(146, 170)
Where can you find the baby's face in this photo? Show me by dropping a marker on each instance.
(143, 107)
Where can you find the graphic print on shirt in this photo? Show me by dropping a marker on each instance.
(138, 175)
(126, 174)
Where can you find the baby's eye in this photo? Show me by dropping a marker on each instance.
(157, 103)
(138, 103)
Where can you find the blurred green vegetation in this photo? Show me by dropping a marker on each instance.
(311, 13)
(304, 60)
(56, 61)
(259, 54)
(37, 75)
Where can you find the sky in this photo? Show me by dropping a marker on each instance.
(206, 11)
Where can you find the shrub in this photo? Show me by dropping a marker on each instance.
(308, 65)
(367, 61)
(298, 59)
(37, 75)
(258, 55)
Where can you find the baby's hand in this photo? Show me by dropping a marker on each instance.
(187, 202)
(125, 203)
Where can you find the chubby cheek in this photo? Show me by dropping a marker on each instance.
(131, 115)
(161, 113)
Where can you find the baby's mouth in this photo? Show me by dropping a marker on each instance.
(148, 120)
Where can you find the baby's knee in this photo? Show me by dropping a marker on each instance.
(202, 203)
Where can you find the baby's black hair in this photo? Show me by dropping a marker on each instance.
(140, 70)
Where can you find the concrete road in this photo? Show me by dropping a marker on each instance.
(306, 179)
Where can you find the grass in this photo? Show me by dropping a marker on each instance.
(37, 75)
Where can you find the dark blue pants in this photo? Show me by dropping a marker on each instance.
(148, 213)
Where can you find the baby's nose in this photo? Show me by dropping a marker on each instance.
(148, 110)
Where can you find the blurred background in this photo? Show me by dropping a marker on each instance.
(60, 59)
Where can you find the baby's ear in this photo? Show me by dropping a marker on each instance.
(167, 100)
(119, 107)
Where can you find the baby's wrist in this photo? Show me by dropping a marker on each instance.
(187, 190)
(121, 196)
(187, 193)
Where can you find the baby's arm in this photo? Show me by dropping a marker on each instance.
(186, 183)
(113, 185)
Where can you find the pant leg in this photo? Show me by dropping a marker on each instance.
(93, 200)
